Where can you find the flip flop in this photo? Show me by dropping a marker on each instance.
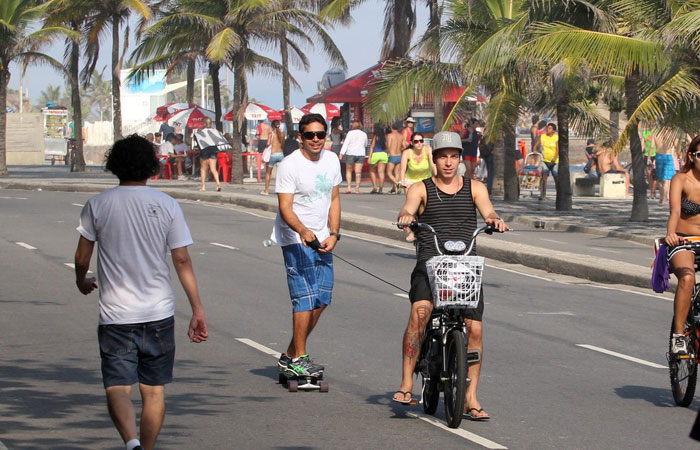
(347, 192)
(469, 415)
(404, 394)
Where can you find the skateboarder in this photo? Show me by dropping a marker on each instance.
(309, 210)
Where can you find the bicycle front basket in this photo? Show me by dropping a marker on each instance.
(455, 280)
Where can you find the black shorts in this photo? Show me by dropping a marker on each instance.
(143, 352)
(209, 153)
(262, 143)
(420, 290)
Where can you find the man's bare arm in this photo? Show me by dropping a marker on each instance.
(333, 222)
(415, 198)
(480, 195)
(197, 330)
(83, 254)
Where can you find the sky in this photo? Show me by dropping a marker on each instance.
(360, 44)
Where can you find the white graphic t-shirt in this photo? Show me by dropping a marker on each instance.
(312, 183)
(134, 226)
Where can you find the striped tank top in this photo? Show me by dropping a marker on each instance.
(452, 215)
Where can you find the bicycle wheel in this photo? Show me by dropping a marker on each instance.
(456, 384)
(683, 372)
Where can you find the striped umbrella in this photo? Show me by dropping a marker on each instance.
(296, 114)
(327, 110)
(162, 112)
(256, 111)
(192, 118)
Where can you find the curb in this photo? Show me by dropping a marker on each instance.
(581, 266)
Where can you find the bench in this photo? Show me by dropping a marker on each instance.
(582, 185)
(613, 185)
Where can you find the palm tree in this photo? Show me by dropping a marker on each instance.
(661, 82)
(17, 42)
(51, 94)
(112, 13)
(303, 27)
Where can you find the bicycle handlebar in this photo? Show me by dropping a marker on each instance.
(415, 226)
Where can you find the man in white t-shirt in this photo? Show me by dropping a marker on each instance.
(135, 226)
(307, 228)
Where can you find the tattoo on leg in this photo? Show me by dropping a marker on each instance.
(411, 344)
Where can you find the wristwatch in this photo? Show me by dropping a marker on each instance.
(337, 235)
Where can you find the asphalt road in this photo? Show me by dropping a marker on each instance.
(547, 380)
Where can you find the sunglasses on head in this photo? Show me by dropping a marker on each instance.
(417, 141)
(310, 134)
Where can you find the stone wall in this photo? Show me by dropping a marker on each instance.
(25, 139)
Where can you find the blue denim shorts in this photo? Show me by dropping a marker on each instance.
(354, 159)
(275, 158)
(309, 277)
(143, 352)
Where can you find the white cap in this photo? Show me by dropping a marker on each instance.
(411, 119)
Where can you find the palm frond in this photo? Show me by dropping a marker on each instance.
(585, 119)
(223, 44)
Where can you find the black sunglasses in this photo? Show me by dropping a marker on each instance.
(415, 141)
(310, 134)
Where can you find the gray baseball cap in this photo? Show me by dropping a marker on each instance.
(446, 139)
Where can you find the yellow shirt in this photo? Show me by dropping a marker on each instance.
(549, 147)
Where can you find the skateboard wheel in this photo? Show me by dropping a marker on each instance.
(323, 386)
(292, 385)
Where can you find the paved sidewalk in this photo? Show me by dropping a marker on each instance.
(607, 218)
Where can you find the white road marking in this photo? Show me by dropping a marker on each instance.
(458, 431)
(552, 240)
(77, 204)
(401, 294)
(224, 246)
(228, 208)
(620, 355)
(374, 241)
(2, 446)
(262, 348)
(72, 266)
(13, 198)
(600, 286)
(25, 245)
(365, 207)
(640, 244)
(560, 313)
(522, 273)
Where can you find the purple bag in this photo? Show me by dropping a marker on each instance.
(660, 278)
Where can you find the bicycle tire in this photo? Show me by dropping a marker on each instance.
(456, 384)
(683, 373)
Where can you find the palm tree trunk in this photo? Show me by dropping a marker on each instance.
(4, 81)
(284, 50)
(434, 24)
(191, 63)
(75, 103)
(614, 125)
(238, 90)
(216, 88)
(564, 195)
(498, 167)
(640, 207)
(116, 81)
(510, 177)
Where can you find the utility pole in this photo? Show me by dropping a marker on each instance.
(20, 87)
(204, 92)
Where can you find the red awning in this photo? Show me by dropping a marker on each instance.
(350, 90)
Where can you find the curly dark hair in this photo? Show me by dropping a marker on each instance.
(132, 158)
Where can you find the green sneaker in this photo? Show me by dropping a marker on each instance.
(303, 366)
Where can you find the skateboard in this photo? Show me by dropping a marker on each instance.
(294, 384)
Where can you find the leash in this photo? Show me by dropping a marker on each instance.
(335, 255)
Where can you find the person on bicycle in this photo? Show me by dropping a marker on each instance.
(684, 221)
(448, 202)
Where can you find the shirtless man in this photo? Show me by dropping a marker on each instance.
(665, 169)
(394, 145)
(609, 163)
(263, 134)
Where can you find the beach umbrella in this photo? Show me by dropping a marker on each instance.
(327, 110)
(191, 118)
(162, 112)
(296, 114)
(256, 111)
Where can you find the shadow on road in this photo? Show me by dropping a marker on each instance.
(661, 397)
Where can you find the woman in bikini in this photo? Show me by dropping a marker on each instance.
(684, 221)
(276, 143)
(416, 166)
